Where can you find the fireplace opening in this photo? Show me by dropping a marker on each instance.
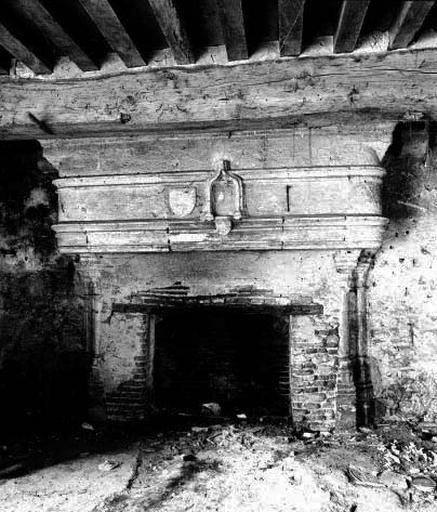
(239, 360)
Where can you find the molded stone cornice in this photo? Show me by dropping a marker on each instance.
(273, 233)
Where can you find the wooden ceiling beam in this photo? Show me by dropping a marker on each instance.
(234, 32)
(349, 26)
(408, 22)
(173, 30)
(33, 59)
(111, 28)
(65, 44)
(290, 18)
(266, 93)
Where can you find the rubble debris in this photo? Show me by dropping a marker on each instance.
(189, 457)
(423, 483)
(360, 476)
(308, 435)
(87, 426)
(207, 465)
(394, 480)
(108, 465)
(199, 429)
(211, 409)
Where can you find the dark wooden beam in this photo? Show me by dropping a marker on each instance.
(290, 15)
(108, 23)
(38, 63)
(349, 26)
(173, 29)
(37, 13)
(169, 305)
(234, 33)
(408, 22)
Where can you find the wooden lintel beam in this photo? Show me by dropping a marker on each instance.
(111, 28)
(65, 44)
(38, 63)
(397, 85)
(408, 22)
(349, 26)
(234, 32)
(173, 29)
(290, 17)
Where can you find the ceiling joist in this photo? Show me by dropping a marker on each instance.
(63, 42)
(38, 63)
(408, 22)
(39, 32)
(108, 23)
(232, 19)
(173, 29)
(290, 14)
(349, 26)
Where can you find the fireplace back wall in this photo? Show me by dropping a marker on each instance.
(237, 359)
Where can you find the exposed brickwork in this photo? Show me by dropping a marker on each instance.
(314, 366)
(128, 403)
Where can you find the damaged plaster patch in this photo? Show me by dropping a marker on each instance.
(38, 197)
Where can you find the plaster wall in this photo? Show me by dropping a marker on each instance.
(402, 293)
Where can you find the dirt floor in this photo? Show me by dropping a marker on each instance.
(222, 466)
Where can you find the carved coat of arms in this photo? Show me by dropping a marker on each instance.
(182, 200)
(224, 201)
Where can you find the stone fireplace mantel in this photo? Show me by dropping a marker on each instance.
(294, 189)
(287, 214)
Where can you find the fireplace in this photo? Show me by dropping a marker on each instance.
(206, 247)
(238, 359)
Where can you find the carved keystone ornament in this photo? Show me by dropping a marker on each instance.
(224, 199)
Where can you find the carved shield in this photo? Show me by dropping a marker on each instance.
(182, 201)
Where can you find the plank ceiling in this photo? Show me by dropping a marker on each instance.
(40, 32)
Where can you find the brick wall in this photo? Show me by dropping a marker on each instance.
(314, 371)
